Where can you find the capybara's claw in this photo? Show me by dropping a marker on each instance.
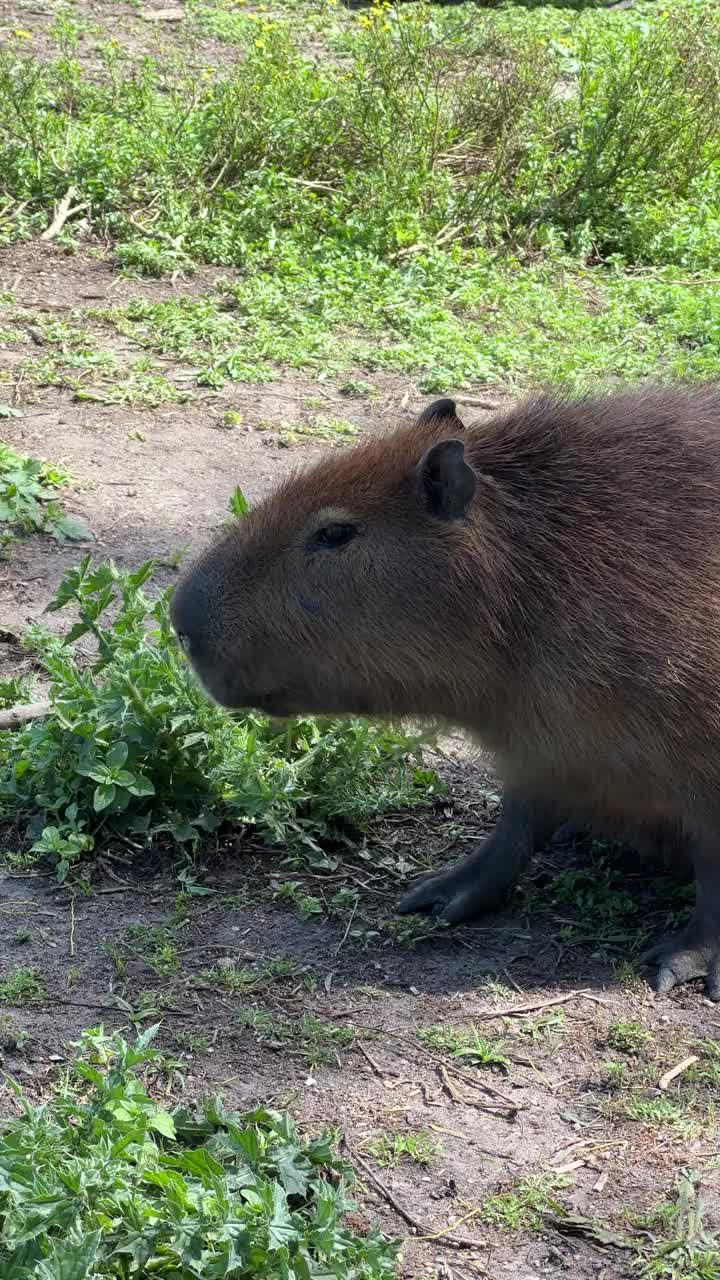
(453, 896)
(438, 896)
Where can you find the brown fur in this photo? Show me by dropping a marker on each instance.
(571, 619)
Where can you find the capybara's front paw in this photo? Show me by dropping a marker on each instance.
(453, 896)
(683, 957)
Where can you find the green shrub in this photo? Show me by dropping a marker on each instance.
(426, 128)
(103, 1181)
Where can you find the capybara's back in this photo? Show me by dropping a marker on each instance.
(549, 579)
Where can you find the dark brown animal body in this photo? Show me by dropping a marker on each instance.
(549, 579)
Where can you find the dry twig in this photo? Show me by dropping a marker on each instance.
(13, 717)
(665, 1081)
(62, 213)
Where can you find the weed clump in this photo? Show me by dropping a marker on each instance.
(29, 500)
(129, 1189)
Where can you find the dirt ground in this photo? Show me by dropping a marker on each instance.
(150, 481)
(548, 978)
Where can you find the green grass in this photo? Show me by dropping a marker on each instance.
(521, 1208)
(389, 1150)
(683, 1115)
(22, 986)
(157, 945)
(520, 196)
(467, 1044)
(318, 1043)
(128, 1188)
(241, 979)
(628, 1037)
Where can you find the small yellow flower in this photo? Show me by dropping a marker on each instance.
(259, 44)
(22, 34)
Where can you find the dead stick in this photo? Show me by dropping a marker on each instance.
(492, 1108)
(62, 214)
(511, 1107)
(380, 1075)
(455, 1242)
(15, 716)
(517, 1010)
(665, 1081)
(108, 1008)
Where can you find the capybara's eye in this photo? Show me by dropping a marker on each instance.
(332, 536)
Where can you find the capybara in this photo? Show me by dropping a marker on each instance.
(548, 579)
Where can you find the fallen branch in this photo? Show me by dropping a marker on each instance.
(440, 1237)
(517, 1010)
(15, 716)
(62, 213)
(492, 1108)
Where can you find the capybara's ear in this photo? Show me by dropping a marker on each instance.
(446, 484)
(439, 410)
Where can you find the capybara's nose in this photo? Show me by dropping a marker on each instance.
(189, 614)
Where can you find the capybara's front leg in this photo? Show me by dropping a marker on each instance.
(694, 952)
(483, 881)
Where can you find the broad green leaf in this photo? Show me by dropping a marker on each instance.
(280, 1227)
(163, 1123)
(71, 529)
(69, 1260)
(103, 796)
(238, 504)
(117, 755)
(141, 787)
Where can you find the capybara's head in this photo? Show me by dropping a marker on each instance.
(334, 594)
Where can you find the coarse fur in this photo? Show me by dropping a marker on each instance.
(548, 579)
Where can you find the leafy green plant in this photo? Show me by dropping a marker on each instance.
(14, 690)
(688, 1250)
(389, 1150)
(133, 748)
(28, 498)
(306, 904)
(628, 1037)
(522, 1207)
(467, 1044)
(129, 1189)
